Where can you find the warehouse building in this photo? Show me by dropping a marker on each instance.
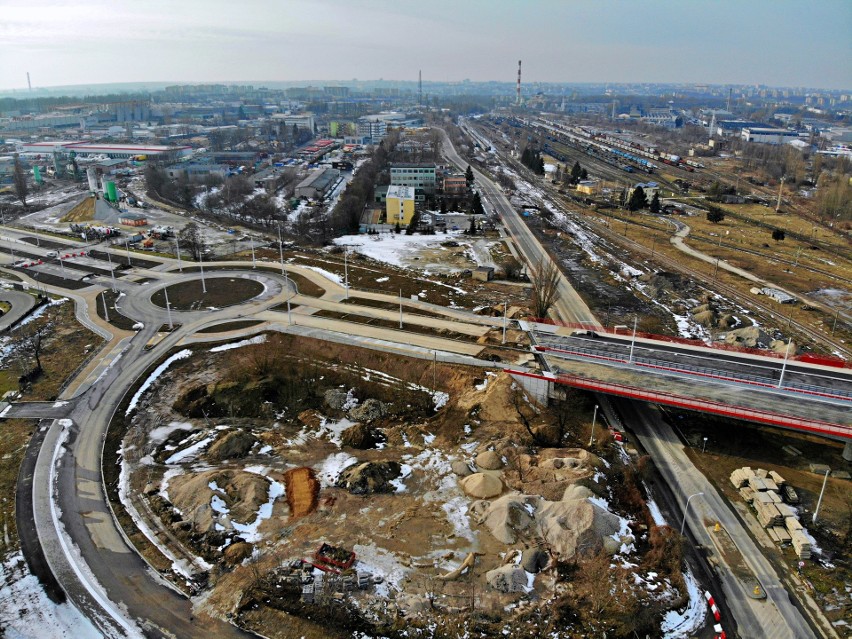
(317, 184)
(767, 135)
(114, 151)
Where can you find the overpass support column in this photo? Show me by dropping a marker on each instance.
(847, 451)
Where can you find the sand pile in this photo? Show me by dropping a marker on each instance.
(238, 496)
(481, 485)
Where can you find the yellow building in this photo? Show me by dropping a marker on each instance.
(400, 204)
(588, 187)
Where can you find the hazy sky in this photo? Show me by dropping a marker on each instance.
(775, 42)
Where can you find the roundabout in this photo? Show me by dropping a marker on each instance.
(214, 292)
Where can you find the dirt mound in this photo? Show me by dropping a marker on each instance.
(749, 337)
(231, 445)
(505, 517)
(361, 436)
(302, 489)
(489, 460)
(547, 474)
(481, 485)
(239, 495)
(370, 477)
(574, 527)
(507, 578)
(335, 398)
(237, 552)
(370, 410)
(705, 318)
(83, 211)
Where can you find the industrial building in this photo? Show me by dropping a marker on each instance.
(317, 184)
(196, 170)
(399, 204)
(419, 176)
(121, 151)
(767, 135)
(305, 121)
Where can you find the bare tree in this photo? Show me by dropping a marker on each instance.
(191, 239)
(545, 284)
(20, 182)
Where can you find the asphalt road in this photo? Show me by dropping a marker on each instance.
(775, 617)
(22, 303)
(778, 616)
(569, 303)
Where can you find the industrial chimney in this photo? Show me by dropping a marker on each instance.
(519, 83)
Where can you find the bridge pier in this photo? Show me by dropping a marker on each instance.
(847, 451)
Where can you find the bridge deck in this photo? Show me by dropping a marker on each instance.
(781, 408)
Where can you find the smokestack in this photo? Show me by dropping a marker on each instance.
(519, 83)
(730, 91)
(29, 84)
(420, 87)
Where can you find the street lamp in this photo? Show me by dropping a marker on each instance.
(201, 264)
(704, 445)
(594, 419)
(821, 492)
(177, 251)
(686, 510)
(632, 341)
(168, 307)
(784, 365)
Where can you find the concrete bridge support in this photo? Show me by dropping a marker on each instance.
(847, 451)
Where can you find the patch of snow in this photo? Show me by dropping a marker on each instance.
(330, 468)
(249, 532)
(326, 274)
(159, 434)
(218, 505)
(682, 623)
(28, 611)
(259, 339)
(188, 453)
(656, 515)
(153, 377)
(265, 450)
(382, 279)
(379, 561)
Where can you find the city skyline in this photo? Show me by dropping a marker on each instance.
(94, 42)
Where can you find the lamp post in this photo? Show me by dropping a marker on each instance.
(201, 263)
(168, 307)
(281, 252)
(400, 309)
(821, 492)
(686, 510)
(632, 341)
(505, 312)
(103, 299)
(127, 246)
(594, 419)
(177, 251)
(111, 271)
(784, 365)
(346, 269)
(251, 243)
(704, 445)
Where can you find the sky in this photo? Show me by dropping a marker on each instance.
(771, 42)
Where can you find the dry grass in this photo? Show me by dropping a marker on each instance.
(68, 345)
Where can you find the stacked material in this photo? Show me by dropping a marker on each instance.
(767, 497)
(740, 476)
(778, 479)
(801, 544)
(779, 534)
(747, 494)
(786, 511)
(767, 514)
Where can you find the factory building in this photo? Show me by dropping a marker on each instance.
(765, 135)
(114, 151)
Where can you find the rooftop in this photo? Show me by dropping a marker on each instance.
(401, 192)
